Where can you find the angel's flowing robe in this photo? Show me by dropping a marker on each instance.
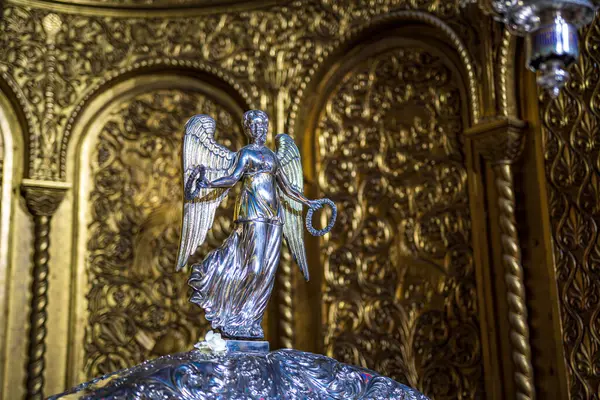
(234, 282)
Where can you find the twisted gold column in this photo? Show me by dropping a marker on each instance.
(38, 314)
(42, 200)
(511, 259)
(286, 306)
(500, 142)
(279, 76)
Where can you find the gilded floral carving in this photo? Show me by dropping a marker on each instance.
(400, 284)
(409, 268)
(56, 71)
(138, 305)
(571, 152)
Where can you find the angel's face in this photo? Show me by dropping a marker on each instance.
(256, 124)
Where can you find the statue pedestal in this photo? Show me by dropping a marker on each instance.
(247, 346)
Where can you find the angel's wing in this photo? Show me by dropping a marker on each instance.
(200, 148)
(293, 228)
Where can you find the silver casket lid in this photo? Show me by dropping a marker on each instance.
(234, 282)
(242, 374)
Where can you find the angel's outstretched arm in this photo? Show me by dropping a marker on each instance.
(230, 180)
(289, 189)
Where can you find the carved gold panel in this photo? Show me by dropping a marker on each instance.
(571, 155)
(137, 304)
(163, 4)
(132, 303)
(399, 280)
(379, 94)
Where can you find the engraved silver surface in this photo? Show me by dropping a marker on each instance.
(234, 282)
(282, 374)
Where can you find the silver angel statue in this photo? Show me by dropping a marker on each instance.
(234, 282)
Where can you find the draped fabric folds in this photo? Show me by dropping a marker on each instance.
(234, 282)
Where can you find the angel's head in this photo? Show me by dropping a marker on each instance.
(256, 124)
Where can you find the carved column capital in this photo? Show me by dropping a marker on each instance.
(43, 197)
(499, 140)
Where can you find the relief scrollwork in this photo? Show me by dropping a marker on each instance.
(158, 4)
(60, 58)
(571, 153)
(138, 305)
(399, 280)
(395, 224)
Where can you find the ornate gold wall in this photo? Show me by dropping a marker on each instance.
(449, 268)
(133, 231)
(572, 172)
(401, 259)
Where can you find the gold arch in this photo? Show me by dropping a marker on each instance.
(85, 131)
(506, 75)
(381, 25)
(11, 172)
(154, 7)
(197, 71)
(307, 119)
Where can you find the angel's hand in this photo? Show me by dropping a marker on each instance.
(196, 181)
(203, 184)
